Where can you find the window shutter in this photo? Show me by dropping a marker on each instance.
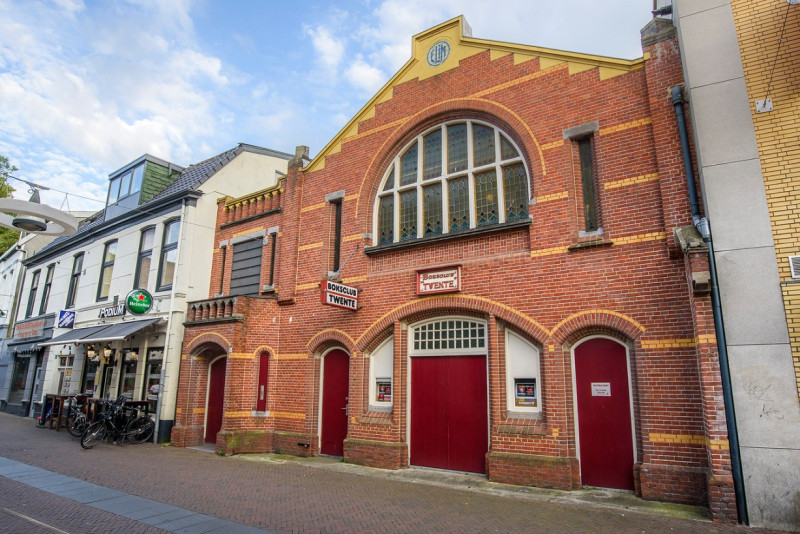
(794, 263)
(246, 270)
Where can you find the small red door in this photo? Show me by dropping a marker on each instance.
(449, 414)
(335, 385)
(604, 414)
(216, 395)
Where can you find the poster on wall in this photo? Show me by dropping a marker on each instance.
(383, 390)
(525, 392)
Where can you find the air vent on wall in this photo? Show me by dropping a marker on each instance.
(794, 263)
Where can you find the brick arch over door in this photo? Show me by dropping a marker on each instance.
(579, 325)
(459, 108)
(204, 342)
(331, 338)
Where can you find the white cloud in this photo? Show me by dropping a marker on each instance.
(329, 49)
(365, 77)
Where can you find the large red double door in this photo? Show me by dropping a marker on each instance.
(449, 413)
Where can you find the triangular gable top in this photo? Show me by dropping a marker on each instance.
(442, 47)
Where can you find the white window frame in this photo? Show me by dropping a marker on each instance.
(484, 350)
(518, 367)
(381, 352)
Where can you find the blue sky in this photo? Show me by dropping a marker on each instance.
(88, 86)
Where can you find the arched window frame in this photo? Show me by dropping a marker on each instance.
(394, 189)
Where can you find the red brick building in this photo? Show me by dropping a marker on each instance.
(509, 293)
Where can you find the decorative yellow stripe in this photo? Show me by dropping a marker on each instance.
(555, 431)
(512, 83)
(292, 356)
(718, 444)
(241, 413)
(669, 343)
(551, 347)
(548, 251)
(310, 247)
(691, 439)
(244, 232)
(354, 279)
(198, 411)
(311, 285)
(354, 237)
(554, 144)
(552, 196)
(641, 238)
(707, 339)
(178, 410)
(377, 129)
(240, 356)
(354, 196)
(312, 207)
(625, 126)
(289, 415)
(632, 180)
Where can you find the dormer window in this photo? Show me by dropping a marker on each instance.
(126, 184)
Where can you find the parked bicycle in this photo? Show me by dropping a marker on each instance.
(76, 417)
(117, 425)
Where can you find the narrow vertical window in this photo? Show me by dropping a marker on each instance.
(263, 376)
(48, 284)
(337, 235)
(107, 270)
(408, 214)
(432, 209)
(77, 269)
(169, 255)
(432, 154)
(224, 249)
(587, 181)
(456, 147)
(273, 238)
(32, 293)
(458, 189)
(386, 220)
(145, 259)
(486, 198)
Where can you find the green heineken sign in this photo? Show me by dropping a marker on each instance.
(139, 301)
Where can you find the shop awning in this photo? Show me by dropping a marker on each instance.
(73, 336)
(118, 331)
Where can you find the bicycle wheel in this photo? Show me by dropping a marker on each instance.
(140, 429)
(94, 434)
(77, 425)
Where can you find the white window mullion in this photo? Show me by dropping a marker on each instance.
(501, 190)
(473, 219)
(420, 174)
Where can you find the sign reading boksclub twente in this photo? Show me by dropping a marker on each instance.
(139, 301)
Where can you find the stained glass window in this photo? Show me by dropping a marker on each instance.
(456, 147)
(386, 220)
(515, 189)
(486, 198)
(458, 191)
(507, 150)
(408, 214)
(389, 181)
(408, 166)
(432, 154)
(432, 209)
(483, 142)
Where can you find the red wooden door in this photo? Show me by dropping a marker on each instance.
(604, 414)
(216, 396)
(449, 413)
(335, 385)
(263, 375)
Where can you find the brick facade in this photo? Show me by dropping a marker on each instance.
(541, 280)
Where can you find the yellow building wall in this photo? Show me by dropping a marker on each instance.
(769, 43)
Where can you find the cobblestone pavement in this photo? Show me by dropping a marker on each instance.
(284, 494)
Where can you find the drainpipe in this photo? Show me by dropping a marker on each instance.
(703, 226)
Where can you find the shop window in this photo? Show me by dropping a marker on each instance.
(381, 376)
(48, 284)
(453, 336)
(64, 377)
(145, 259)
(523, 383)
(169, 255)
(152, 382)
(451, 178)
(89, 377)
(107, 270)
(129, 373)
(77, 269)
(19, 380)
(246, 268)
(32, 293)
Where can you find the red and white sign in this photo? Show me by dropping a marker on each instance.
(339, 295)
(441, 280)
(29, 329)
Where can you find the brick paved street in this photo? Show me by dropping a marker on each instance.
(312, 495)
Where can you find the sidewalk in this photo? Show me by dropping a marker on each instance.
(288, 494)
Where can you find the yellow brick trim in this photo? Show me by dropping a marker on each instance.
(240, 356)
(244, 232)
(669, 343)
(240, 413)
(292, 356)
(548, 251)
(552, 196)
(178, 410)
(348, 198)
(512, 83)
(551, 347)
(710, 339)
(625, 126)
(354, 279)
(198, 411)
(644, 178)
(310, 246)
(354, 237)
(641, 238)
(554, 144)
(689, 439)
(311, 285)
(289, 415)
(718, 444)
(312, 207)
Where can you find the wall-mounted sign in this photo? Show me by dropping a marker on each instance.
(339, 295)
(601, 389)
(139, 301)
(66, 319)
(437, 53)
(525, 392)
(29, 329)
(441, 280)
(112, 311)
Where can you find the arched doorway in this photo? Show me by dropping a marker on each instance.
(215, 398)
(335, 391)
(449, 426)
(604, 414)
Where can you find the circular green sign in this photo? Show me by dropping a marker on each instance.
(139, 301)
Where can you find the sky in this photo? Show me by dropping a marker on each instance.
(87, 87)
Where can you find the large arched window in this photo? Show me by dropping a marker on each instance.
(454, 177)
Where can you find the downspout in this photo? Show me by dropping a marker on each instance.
(703, 226)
